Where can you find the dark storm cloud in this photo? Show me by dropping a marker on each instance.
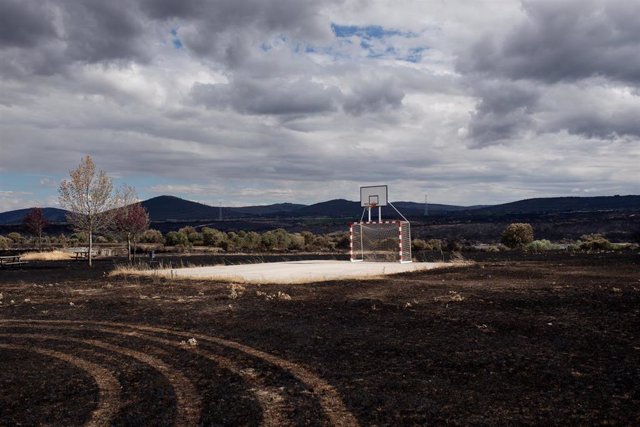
(228, 30)
(24, 23)
(271, 97)
(46, 37)
(299, 97)
(217, 16)
(599, 124)
(554, 48)
(97, 31)
(503, 113)
(565, 41)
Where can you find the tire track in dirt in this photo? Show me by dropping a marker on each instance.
(328, 396)
(188, 406)
(269, 399)
(108, 386)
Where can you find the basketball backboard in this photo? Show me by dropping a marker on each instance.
(375, 195)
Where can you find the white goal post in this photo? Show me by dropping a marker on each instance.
(380, 241)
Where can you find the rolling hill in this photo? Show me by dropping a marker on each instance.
(275, 209)
(563, 204)
(52, 215)
(167, 208)
(170, 208)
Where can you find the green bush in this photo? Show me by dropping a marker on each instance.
(175, 238)
(251, 241)
(213, 237)
(283, 238)
(341, 240)
(79, 238)
(233, 242)
(540, 246)
(15, 237)
(297, 242)
(192, 234)
(152, 236)
(308, 239)
(517, 235)
(196, 238)
(5, 243)
(595, 242)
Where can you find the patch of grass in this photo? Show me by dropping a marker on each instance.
(47, 256)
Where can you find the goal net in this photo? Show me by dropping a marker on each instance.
(381, 241)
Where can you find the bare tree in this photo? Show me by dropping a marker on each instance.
(35, 223)
(90, 200)
(131, 219)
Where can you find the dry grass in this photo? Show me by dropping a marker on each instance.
(134, 270)
(47, 256)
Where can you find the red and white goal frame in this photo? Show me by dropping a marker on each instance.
(380, 241)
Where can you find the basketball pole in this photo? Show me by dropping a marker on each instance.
(380, 214)
(369, 210)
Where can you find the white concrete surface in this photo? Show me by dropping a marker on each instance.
(297, 271)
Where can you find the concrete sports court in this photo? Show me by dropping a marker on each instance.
(368, 240)
(297, 271)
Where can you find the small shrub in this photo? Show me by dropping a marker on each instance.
(177, 238)
(342, 242)
(453, 245)
(81, 238)
(15, 237)
(5, 243)
(418, 245)
(434, 245)
(63, 240)
(152, 236)
(540, 246)
(213, 237)
(574, 247)
(595, 242)
(517, 235)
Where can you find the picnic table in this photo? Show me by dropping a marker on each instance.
(83, 253)
(11, 260)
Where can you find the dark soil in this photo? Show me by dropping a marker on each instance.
(549, 339)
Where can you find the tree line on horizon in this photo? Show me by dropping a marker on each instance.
(96, 209)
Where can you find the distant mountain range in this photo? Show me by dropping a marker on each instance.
(17, 216)
(170, 208)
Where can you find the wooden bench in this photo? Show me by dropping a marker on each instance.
(12, 260)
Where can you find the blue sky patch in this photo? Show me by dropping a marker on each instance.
(415, 54)
(177, 43)
(367, 31)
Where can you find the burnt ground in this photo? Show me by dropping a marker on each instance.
(514, 339)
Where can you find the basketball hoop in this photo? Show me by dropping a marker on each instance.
(373, 205)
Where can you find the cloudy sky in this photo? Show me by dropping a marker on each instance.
(263, 101)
